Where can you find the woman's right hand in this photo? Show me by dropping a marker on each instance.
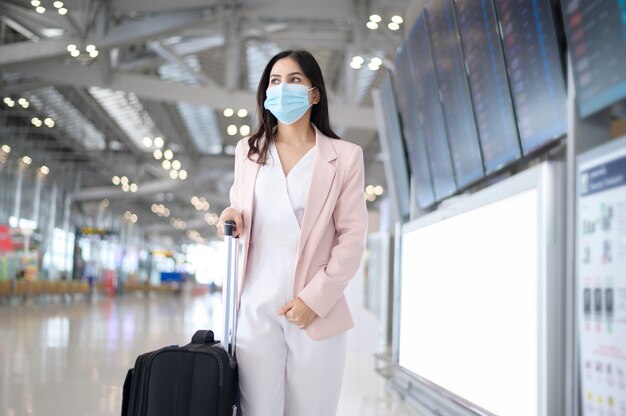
(232, 215)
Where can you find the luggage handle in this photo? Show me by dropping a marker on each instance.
(229, 290)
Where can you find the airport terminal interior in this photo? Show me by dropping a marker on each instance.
(493, 132)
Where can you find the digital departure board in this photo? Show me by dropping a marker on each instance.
(454, 91)
(429, 110)
(532, 55)
(489, 85)
(596, 34)
(412, 128)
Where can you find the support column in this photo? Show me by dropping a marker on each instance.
(51, 223)
(37, 198)
(17, 204)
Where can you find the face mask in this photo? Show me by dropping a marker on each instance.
(288, 102)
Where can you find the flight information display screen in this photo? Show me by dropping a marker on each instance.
(429, 110)
(454, 91)
(536, 74)
(596, 34)
(489, 85)
(412, 128)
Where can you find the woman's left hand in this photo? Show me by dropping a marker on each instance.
(297, 312)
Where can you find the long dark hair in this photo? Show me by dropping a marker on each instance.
(266, 120)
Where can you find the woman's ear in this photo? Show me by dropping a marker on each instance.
(316, 96)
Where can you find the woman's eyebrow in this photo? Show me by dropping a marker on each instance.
(290, 74)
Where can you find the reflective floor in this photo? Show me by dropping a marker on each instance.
(62, 357)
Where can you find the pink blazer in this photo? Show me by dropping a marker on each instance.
(332, 238)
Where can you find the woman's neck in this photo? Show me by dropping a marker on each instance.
(299, 132)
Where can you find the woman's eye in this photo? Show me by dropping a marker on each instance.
(295, 80)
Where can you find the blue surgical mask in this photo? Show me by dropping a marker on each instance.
(288, 102)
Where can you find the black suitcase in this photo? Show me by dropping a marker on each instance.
(198, 379)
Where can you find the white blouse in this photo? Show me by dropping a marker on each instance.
(298, 180)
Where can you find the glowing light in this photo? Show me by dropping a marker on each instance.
(231, 130)
(93, 54)
(355, 65)
(40, 9)
(244, 130)
(6, 148)
(27, 160)
(90, 48)
(174, 174)
(35, 3)
(62, 11)
(158, 142)
(58, 4)
(393, 26)
(167, 165)
(176, 164)
(124, 179)
(397, 19)
(71, 47)
(168, 154)
(373, 66)
(375, 18)
(229, 112)
(359, 60)
(45, 170)
(378, 190)
(133, 187)
(376, 61)
(75, 53)
(242, 113)
(147, 142)
(116, 180)
(182, 174)
(157, 154)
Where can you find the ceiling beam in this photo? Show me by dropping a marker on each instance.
(156, 89)
(127, 33)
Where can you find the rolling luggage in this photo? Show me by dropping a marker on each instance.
(197, 379)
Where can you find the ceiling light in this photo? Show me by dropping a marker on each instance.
(194, 200)
(355, 65)
(154, 208)
(27, 160)
(242, 113)
(393, 26)
(166, 212)
(205, 206)
(6, 148)
(229, 112)
(369, 189)
(397, 19)
(36, 121)
(49, 122)
(174, 174)
(22, 101)
(134, 218)
(372, 25)
(25, 104)
(75, 53)
(373, 66)
(158, 142)
(127, 215)
(7, 100)
(93, 54)
(166, 164)
(359, 60)
(45, 170)
(35, 3)
(168, 154)
(147, 141)
(40, 9)
(116, 180)
(62, 11)
(71, 47)
(244, 130)
(105, 202)
(231, 130)
(58, 4)
(133, 187)
(124, 179)
(375, 18)
(378, 190)
(377, 61)
(182, 174)
(157, 154)
(90, 48)
(176, 164)
(125, 187)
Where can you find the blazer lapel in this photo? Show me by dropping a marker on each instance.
(324, 170)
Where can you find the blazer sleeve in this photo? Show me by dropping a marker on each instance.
(350, 217)
(235, 203)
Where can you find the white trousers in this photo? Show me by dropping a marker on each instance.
(282, 371)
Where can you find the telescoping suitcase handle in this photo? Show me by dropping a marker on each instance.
(229, 290)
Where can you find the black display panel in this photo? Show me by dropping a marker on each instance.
(412, 128)
(429, 110)
(454, 91)
(489, 84)
(393, 144)
(596, 34)
(532, 55)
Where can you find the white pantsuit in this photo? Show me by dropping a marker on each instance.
(282, 370)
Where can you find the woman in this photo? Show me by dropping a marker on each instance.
(297, 201)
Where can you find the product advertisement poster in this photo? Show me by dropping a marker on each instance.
(601, 279)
